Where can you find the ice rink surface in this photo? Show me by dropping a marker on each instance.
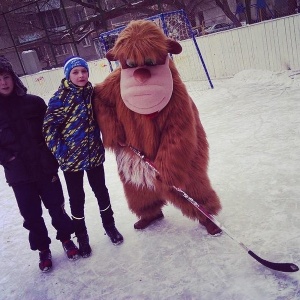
(252, 123)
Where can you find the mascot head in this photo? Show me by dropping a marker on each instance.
(146, 80)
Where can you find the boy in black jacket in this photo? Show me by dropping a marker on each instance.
(30, 168)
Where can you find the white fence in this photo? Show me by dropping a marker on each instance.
(271, 45)
(46, 82)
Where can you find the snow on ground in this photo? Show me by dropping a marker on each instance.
(253, 127)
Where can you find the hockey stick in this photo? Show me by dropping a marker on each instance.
(282, 267)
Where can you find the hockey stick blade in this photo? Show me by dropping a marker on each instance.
(281, 267)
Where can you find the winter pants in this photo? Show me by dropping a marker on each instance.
(29, 197)
(96, 178)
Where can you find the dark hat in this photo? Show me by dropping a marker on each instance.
(5, 66)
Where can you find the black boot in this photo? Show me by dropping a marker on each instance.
(71, 250)
(84, 245)
(144, 222)
(114, 235)
(45, 260)
(79, 224)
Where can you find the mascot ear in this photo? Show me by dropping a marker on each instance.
(174, 47)
(110, 56)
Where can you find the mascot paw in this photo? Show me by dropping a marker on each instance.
(144, 223)
(211, 227)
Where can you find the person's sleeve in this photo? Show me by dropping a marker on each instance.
(5, 155)
(53, 121)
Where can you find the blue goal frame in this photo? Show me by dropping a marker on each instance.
(107, 36)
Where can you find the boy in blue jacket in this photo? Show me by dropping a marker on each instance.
(73, 136)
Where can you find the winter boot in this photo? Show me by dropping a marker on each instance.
(45, 260)
(71, 250)
(144, 223)
(84, 245)
(114, 235)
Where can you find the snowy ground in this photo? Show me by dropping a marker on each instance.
(253, 127)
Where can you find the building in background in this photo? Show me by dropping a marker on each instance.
(43, 28)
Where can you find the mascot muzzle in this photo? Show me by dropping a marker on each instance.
(147, 89)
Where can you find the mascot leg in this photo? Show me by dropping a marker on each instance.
(145, 204)
(209, 201)
(212, 205)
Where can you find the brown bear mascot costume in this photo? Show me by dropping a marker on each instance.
(144, 105)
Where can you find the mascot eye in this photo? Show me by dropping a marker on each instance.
(130, 63)
(150, 62)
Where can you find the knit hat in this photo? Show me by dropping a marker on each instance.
(5, 66)
(73, 62)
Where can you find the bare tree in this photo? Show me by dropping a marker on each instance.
(223, 4)
(292, 6)
(48, 25)
(103, 12)
(143, 7)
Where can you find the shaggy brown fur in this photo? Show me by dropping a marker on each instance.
(174, 140)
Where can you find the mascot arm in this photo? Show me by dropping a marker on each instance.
(112, 130)
(178, 147)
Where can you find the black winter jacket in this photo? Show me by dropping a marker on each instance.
(21, 121)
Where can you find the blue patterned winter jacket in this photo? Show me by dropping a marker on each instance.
(70, 130)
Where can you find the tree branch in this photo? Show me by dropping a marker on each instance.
(223, 4)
